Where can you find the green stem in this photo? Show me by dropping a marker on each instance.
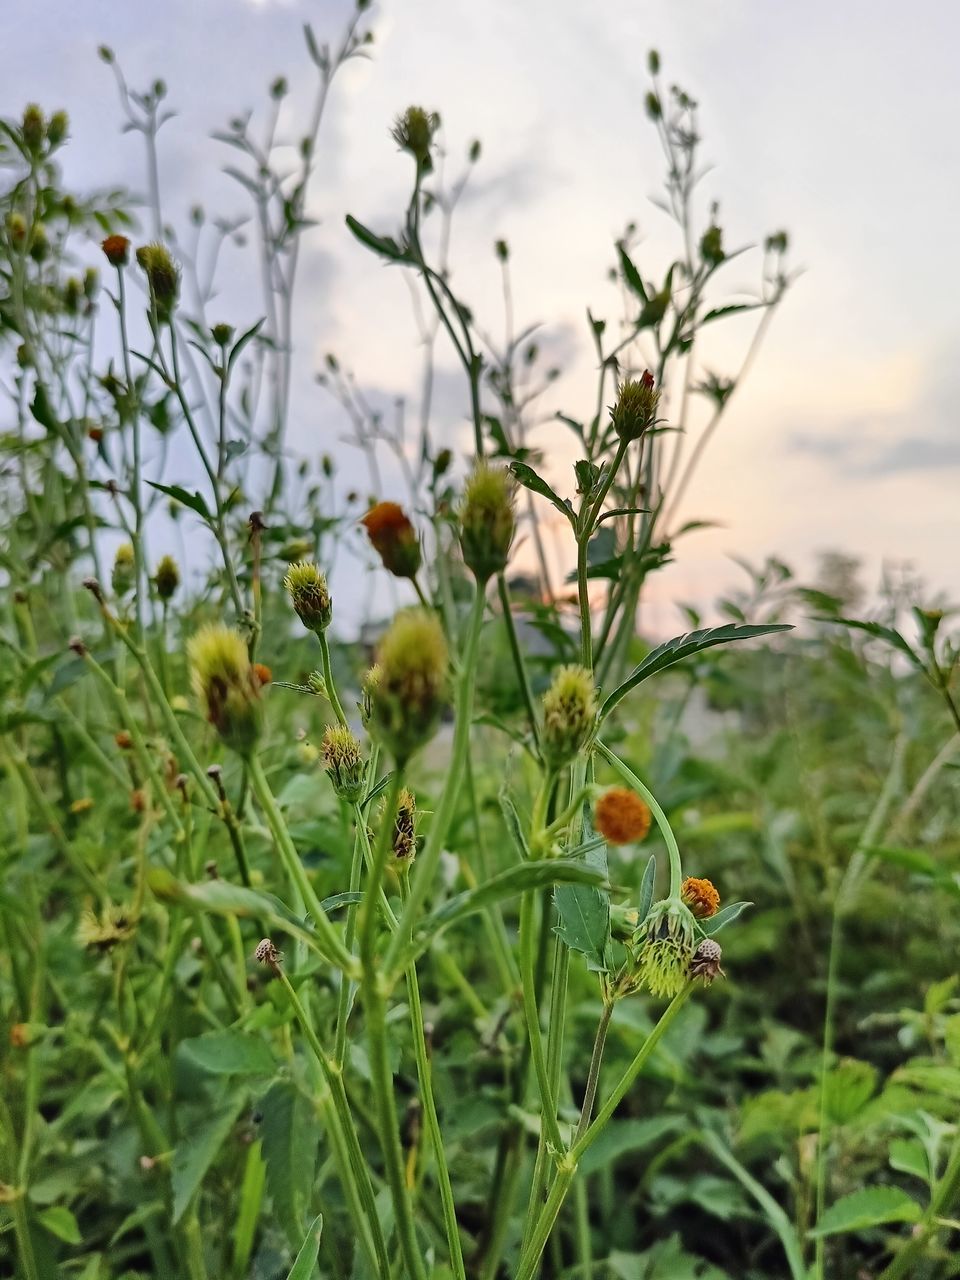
(516, 652)
(593, 1074)
(332, 694)
(669, 839)
(947, 1192)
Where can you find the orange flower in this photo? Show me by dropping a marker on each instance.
(117, 250)
(263, 673)
(394, 538)
(621, 816)
(700, 896)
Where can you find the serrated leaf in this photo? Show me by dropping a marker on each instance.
(306, 1262)
(290, 1138)
(879, 632)
(681, 647)
(230, 1053)
(536, 484)
(870, 1207)
(197, 1151)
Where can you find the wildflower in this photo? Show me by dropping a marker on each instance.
(407, 699)
(343, 761)
(394, 539)
(122, 577)
(95, 434)
(114, 924)
(706, 961)
(117, 250)
(123, 740)
(267, 953)
(83, 805)
(636, 407)
(264, 675)
(307, 587)
(166, 579)
(700, 896)
(569, 715)
(163, 277)
(667, 950)
(17, 230)
(225, 685)
(222, 334)
(414, 131)
(621, 816)
(487, 520)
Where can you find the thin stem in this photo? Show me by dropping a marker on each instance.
(670, 840)
(332, 694)
(593, 1074)
(523, 680)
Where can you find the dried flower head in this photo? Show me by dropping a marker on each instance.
(309, 594)
(225, 685)
(267, 953)
(569, 715)
(408, 698)
(163, 277)
(487, 520)
(667, 948)
(636, 409)
(621, 816)
(394, 538)
(706, 961)
(343, 761)
(166, 579)
(114, 924)
(414, 131)
(122, 577)
(405, 829)
(700, 896)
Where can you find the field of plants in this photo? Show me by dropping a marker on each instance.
(465, 930)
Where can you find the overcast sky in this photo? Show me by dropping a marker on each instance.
(836, 121)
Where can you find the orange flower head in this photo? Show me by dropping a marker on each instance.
(393, 538)
(700, 896)
(263, 673)
(621, 816)
(117, 250)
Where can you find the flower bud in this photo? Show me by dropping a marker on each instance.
(117, 250)
(394, 539)
(700, 896)
(166, 579)
(711, 245)
(343, 761)
(17, 230)
(39, 244)
(413, 132)
(667, 949)
(409, 696)
(222, 334)
(636, 407)
(307, 587)
(487, 520)
(225, 685)
(91, 283)
(122, 577)
(621, 816)
(57, 128)
(569, 715)
(33, 127)
(163, 277)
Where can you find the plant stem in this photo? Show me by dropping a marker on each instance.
(593, 1074)
(669, 839)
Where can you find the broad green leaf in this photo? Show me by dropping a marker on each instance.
(622, 1137)
(666, 1260)
(680, 647)
(192, 500)
(197, 1150)
(60, 1222)
(230, 1053)
(939, 994)
(583, 911)
(849, 1087)
(306, 1263)
(870, 1207)
(725, 916)
(536, 484)
(290, 1140)
(908, 1155)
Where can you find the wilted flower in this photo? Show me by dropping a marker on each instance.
(306, 585)
(407, 699)
(226, 686)
(163, 277)
(621, 816)
(569, 715)
(404, 841)
(667, 939)
(706, 961)
(636, 409)
(700, 896)
(117, 250)
(394, 538)
(487, 520)
(343, 761)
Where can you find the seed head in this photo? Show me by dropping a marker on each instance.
(307, 587)
(408, 698)
(667, 948)
(569, 715)
(394, 538)
(123, 575)
(706, 961)
(487, 520)
(414, 131)
(621, 816)
(343, 761)
(225, 685)
(700, 896)
(163, 277)
(636, 409)
(166, 579)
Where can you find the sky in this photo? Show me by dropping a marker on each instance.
(836, 122)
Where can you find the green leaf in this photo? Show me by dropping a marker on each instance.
(536, 484)
(880, 632)
(584, 912)
(306, 1262)
(242, 341)
(646, 889)
(230, 1053)
(290, 1138)
(680, 647)
(192, 500)
(630, 273)
(385, 246)
(908, 1155)
(870, 1207)
(724, 917)
(197, 1152)
(60, 1222)
(622, 1137)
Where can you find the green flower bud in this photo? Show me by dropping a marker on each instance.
(343, 761)
(711, 245)
(39, 244)
(166, 579)
(226, 685)
(222, 334)
(636, 407)
(408, 698)
(569, 715)
(487, 520)
(57, 128)
(163, 277)
(309, 595)
(17, 230)
(414, 131)
(34, 127)
(123, 575)
(667, 941)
